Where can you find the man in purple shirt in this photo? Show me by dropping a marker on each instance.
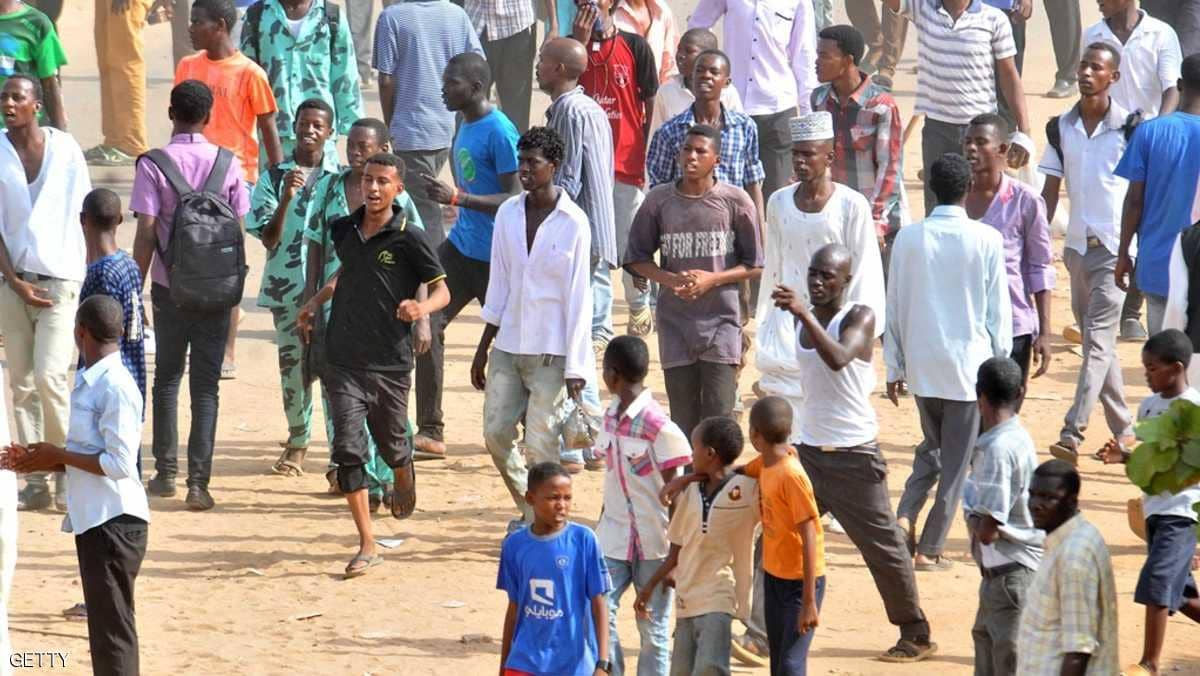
(154, 203)
(1020, 215)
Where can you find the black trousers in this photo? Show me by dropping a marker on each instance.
(377, 398)
(700, 390)
(110, 556)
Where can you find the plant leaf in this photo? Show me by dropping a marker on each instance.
(1140, 467)
(1189, 418)
(1158, 429)
(1164, 458)
(1191, 453)
(1163, 481)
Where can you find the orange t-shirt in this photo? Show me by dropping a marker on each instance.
(787, 500)
(241, 92)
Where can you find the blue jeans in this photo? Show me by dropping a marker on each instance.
(627, 199)
(789, 648)
(602, 300)
(702, 645)
(655, 655)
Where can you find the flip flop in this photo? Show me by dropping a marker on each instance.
(907, 650)
(1066, 453)
(939, 564)
(404, 501)
(359, 565)
(1136, 670)
(291, 461)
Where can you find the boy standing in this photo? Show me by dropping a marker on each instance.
(106, 505)
(643, 450)
(1006, 546)
(706, 235)
(554, 574)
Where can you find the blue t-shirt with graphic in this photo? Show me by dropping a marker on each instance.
(483, 150)
(553, 579)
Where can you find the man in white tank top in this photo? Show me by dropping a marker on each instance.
(835, 438)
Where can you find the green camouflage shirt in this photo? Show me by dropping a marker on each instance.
(310, 66)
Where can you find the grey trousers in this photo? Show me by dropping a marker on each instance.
(430, 162)
(885, 38)
(937, 139)
(1066, 33)
(997, 620)
(511, 60)
(1183, 16)
(1156, 307)
(1096, 304)
(360, 14)
(702, 645)
(950, 429)
(775, 149)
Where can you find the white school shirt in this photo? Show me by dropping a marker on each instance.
(1167, 503)
(541, 296)
(1150, 62)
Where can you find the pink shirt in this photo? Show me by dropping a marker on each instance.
(153, 196)
(661, 32)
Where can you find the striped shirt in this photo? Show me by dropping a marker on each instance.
(414, 41)
(956, 74)
(502, 18)
(739, 165)
(586, 172)
(117, 276)
(867, 147)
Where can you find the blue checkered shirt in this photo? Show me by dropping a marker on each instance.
(739, 163)
(117, 275)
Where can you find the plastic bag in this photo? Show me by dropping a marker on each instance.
(775, 344)
(579, 430)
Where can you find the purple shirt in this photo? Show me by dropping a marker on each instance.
(1020, 215)
(153, 196)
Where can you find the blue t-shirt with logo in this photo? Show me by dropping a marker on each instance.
(553, 579)
(1164, 153)
(483, 150)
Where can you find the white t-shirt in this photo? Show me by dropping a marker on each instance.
(1167, 503)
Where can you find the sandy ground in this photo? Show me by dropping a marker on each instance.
(225, 591)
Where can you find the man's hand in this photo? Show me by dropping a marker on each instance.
(1041, 354)
(422, 336)
(30, 294)
(167, 6)
(1123, 271)
(10, 454)
(1024, 10)
(585, 19)
(668, 493)
(304, 321)
(696, 283)
(410, 311)
(436, 190)
(575, 388)
(293, 183)
(640, 283)
(893, 391)
(641, 603)
(786, 299)
(808, 617)
(39, 457)
(479, 369)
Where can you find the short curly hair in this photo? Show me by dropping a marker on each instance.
(546, 140)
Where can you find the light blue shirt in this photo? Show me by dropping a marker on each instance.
(998, 486)
(106, 420)
(948, 307)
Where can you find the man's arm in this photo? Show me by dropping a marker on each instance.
(1131, 221)
(56, 112)
(387, 96)
(265, 198)
(580, 362)
(1170, 59)
(487, 204)
(28, 292)
(269, 135)
(1009, 81)
(145, 242)
(700, 282)
(809, 615)
(893, 345)
(998, 314)
(1050, 187)
(893, 5)
(510, 627)
(985, 528)
(756, 195)
(600, 620)
(857, 333)
(570, 173)
(1037, 271)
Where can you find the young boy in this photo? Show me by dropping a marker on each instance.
(1006, 545)
(106, 504)
(675, 94)
(711, 557)
(643, 450)
(1165, 584)
(557, 585)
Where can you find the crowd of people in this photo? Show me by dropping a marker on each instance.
(750, 199)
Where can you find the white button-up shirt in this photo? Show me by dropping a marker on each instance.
(1150, 62)
(541, 296)
(106, 420)
(948, 307)
(1097, 195)
(772, 45)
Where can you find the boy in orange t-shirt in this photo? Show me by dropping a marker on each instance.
(242, 97)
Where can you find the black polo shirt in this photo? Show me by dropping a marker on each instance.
(377, 274)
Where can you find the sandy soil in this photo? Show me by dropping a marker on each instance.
(224, 592)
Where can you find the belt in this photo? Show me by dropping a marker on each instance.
(1094, 242)
(999, 571)
(861, 448)
(35, 277)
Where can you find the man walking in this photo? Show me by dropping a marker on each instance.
(884, 31)
(948, 310)
(117, 31)
(43, 182)
(506, 30)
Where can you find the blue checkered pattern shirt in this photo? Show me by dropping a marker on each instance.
(117, 275)
(739, 163)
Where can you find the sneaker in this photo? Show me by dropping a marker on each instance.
(1066, 450)
(834, 527)
(1062, 90)
(1132, 331)
(641, 323)
(428, 448)
(34, 498)
(107, 156)
(162, 486)
(1071, 334)
(749, 652)
(60, 493)
(76, 612)
(199, 500)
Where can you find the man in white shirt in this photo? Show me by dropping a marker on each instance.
(43, 180)
(106, 506)
(948, 310)
(538, 310)
(1091, 140)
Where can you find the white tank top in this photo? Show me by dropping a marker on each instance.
(837, 404)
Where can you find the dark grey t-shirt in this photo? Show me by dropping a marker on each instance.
(713, 232)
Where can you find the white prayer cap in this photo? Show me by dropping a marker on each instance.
(812, 127)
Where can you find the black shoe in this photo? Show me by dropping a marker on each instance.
(34, 498)
(162, 486)
(198, 499)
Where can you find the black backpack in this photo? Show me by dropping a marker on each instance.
(1054, 135)
(206, 253)
(252, 27)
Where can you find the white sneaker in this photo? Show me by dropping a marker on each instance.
(833, 526)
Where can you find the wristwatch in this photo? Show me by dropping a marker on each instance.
(604, 665)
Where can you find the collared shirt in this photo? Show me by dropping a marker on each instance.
(541, 296)
(118, 277)
(673, 98)
(414, 41)
(957, 76)
(867, 147)
(772, 46)
(484, 150)
(1150, 62)
(153, 195)
(1096, 193)
(637, 444)
(661, 33)
(498, 19)
(586, 172)
(287, 263)
(1167, 503)
(948, 307)
(998, 487)
(1071, 605)
(739, 165)
(1019, 214)
(309, 65)
(106, 420)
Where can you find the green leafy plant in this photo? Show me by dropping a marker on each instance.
(1168, 457)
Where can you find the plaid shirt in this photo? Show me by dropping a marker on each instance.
(867, 139)
(498, 19)
(739, 163)
(117, 276)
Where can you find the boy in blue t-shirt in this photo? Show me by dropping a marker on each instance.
(557, 584)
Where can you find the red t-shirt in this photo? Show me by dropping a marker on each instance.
(621, 75)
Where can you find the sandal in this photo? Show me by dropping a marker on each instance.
(1136, 670)
(360, 563)
(228, 370)
(908, 650)
(334, 488)
(291, 461)
(404, 501)
(940, 563)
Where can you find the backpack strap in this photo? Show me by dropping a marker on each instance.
(1054, 138)
(1131, 123)
(170, 172)
(251, 27)
(218, 173)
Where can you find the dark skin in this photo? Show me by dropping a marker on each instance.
(541, 196)
(584, 30)
(1051, 505)
(313, 127)
(685, 57)
(211, 34)
(19, 106)
(1096, 73)
(985, 148)
(296, 9)
(982, 526)
(828, 277)
(627, 391)
(710, 77)
(1122, 17)
(560, 63)
(56, 113)
(810, 165)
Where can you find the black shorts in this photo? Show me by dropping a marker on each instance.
(1166, 578)
(378, 398)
